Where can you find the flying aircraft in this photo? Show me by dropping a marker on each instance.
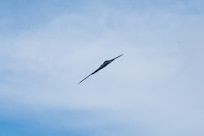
(105, 63)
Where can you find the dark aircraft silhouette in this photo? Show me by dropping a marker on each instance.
(105, 63)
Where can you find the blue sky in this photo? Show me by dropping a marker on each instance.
(48, 46)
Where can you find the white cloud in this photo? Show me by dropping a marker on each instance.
(150, 85)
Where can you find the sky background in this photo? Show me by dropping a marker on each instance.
(155, 89)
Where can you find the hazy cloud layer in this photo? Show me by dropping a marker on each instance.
(154, 89)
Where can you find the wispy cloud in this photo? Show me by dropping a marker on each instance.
(154, 89)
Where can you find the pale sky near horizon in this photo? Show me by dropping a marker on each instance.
(155, 89)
